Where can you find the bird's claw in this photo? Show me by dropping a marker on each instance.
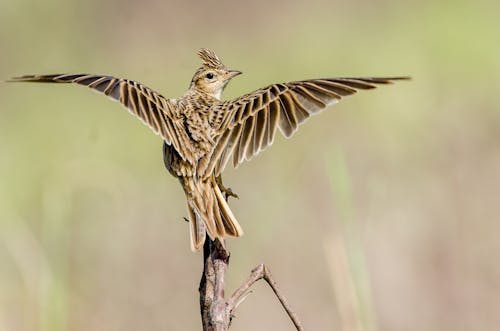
(229, 193)
(226, 190)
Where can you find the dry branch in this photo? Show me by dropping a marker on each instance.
(216, 312)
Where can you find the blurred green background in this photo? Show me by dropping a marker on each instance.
(382, 213)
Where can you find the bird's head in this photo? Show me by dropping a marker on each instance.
(213, 76)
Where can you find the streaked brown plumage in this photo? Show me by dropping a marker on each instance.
(202, 134)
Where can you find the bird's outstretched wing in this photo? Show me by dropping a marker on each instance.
(251, 121)
(153, 109)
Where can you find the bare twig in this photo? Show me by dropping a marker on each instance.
(216, 312)
(262, 272)
(206, 288)
(212, 302)
(220, 257)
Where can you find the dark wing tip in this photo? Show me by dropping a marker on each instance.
(384, 80)
(25, 78)
(33, 78)
(400, 78)
(57, 78)
(389, 80)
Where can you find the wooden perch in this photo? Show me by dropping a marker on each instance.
(217, 312)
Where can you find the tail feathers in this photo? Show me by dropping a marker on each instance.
(209, 211)
(197, 231)
(231, 225)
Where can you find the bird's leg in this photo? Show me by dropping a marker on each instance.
(226, 190)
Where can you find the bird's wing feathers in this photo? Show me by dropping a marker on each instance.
(153, 109)
(247, 125)
(253, 119)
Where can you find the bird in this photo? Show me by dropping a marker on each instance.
(202, 133)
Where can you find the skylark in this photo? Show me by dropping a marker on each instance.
(201, 133)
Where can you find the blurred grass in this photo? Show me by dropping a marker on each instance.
(405, 179)
(345, 256)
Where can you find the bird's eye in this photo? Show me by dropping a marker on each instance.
(210, 75)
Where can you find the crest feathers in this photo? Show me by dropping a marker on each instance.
(210, 59)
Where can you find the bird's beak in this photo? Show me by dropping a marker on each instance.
(233, 73)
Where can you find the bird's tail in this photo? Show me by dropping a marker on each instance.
(208, 212)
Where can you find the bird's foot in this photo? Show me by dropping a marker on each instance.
(226, 190)
(229, 193)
